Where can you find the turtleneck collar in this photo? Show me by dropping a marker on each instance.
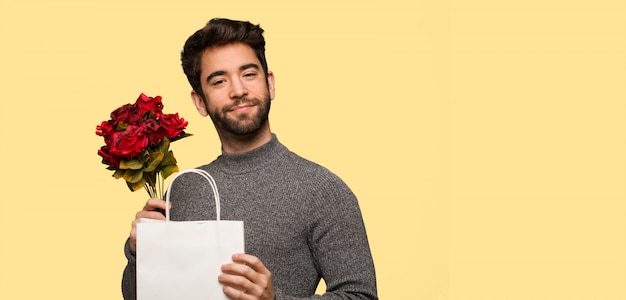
(249, 161)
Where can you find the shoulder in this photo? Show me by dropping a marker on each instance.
(317, 179)
(308, 168)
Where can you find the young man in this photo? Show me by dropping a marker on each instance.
(302, 222)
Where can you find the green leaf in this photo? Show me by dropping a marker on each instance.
(168, 170)
(118, 173)
(154, 160)
(164, 145)
(136, 186)
(169, 159)
(180, 136)
(133, 176)
(133, 164)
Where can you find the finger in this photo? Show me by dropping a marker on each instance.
(238, 287)
(252, 261)
(143, 215)
(155, 204)
(239, 269)
(235, 281)
(238, 294)
(157, 215)
(133, 239)
(147, 213)
(235, 284)
(243, 276)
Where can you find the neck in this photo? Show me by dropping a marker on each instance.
(235, 144)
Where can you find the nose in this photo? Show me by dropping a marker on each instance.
(238, 89)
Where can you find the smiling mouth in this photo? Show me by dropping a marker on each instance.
(242, 108)
(243, 105)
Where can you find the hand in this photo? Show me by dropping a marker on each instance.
(154, 209)
(247, 278)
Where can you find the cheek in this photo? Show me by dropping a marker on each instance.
(214, 103)
(217, 97)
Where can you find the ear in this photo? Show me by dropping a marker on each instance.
(199, 103)
(270, 84)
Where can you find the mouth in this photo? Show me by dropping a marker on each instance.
(243, 105)
(242, 108)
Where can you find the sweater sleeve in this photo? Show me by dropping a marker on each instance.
(129, 277)
(339, 244)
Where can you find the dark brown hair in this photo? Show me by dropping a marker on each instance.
(220, 32)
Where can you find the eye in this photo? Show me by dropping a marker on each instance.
(250, 74)
(218, 82)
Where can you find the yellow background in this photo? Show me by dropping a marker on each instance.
(485, 139)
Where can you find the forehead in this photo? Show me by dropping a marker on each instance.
(227, 58)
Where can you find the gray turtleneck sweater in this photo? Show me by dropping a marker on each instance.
(300, 219)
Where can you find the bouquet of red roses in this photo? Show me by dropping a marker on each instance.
(137, 140)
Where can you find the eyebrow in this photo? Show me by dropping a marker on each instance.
(242, 68)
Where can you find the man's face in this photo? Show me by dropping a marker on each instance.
(236, 90)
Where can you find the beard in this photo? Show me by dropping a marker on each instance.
(244, 124)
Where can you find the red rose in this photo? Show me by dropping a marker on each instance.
(153, 130)
(127, 113)
(147, 104)
(129, 143)
(105, 130)
(173, 125)
(108, 159)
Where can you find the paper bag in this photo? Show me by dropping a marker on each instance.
(182, 260)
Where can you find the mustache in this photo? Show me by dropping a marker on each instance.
(242, 101)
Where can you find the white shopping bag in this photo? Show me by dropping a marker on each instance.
(182, 259)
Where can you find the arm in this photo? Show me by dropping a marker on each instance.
(339, 244)
(129, 277)
(151, 210)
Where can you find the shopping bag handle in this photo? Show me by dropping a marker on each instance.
(202, 173)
